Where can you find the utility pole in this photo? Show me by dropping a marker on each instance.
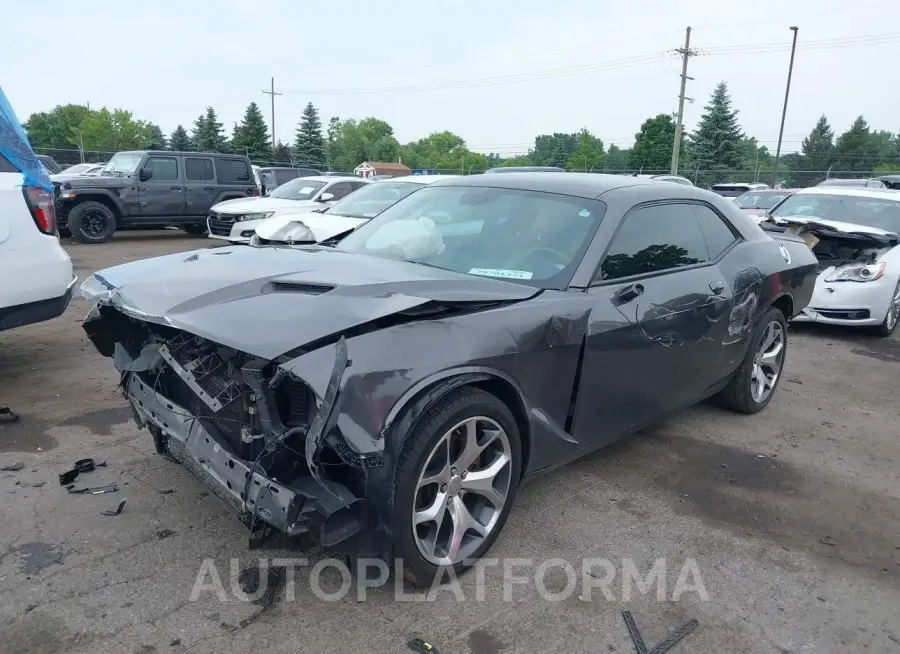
(272, 94)
(787, 91)
(686, 53)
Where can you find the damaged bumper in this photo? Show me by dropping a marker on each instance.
(848, 303)
(296, 506)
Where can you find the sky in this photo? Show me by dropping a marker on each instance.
(496, 72)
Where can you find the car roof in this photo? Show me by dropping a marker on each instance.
(584, 185)
(418, 179)
(852, 191)
(329, 178)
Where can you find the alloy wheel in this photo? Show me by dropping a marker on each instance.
(768, 362)
(893, 312)
(94, 223)
(461, 491)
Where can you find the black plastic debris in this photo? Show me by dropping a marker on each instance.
(663, 646)
(7, 414)
(81, 465)
(419, 645)
(97, 490)
(115, 511)
(12, 467)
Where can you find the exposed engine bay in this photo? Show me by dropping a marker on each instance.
(239, 421)
(834, 248)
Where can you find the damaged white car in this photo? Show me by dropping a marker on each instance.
(854, 235)
(329, 225)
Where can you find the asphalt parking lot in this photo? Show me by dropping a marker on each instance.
(792, 517)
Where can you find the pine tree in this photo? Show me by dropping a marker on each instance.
(817, 154)
(208, 136)
(716, 145)
(180, 141)
(283, 154)
(251, 137)
(854, 149)
(309, 147)
(156, 138)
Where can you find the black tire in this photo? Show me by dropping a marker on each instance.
(737, 394)
(92, 222)
(889, 325)
(451, 409)
(194, 229)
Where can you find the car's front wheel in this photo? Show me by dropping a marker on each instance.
(754, 384)
(194, 229)
(92, 222)
(456, 480)
(893, 315)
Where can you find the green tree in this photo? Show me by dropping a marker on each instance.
(616, 160)
(157, 140)
(652, 150)
(854, 150)
(54, 129)
(553, 149)
(208, 135)
(716, 144)
(112, 131)
(283, 154)
(180, 141)
(370, 139)
(310, 147)
(883, 144)
(817, 154)
(334, 134)
(588, 154)
(251, 137)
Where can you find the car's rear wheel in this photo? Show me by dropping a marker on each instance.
(194, 229)
(755, 382)
(92, 222)
(456, 480)
(893, 315)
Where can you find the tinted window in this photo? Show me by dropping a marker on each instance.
(164, 168)
(232, 170)
(339, 190)
(717, 233)
(198, 169)
(652, 239)
(286, 175)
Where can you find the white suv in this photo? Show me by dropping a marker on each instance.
(36, 272)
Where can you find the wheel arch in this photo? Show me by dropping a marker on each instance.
(785, 304)
(410, 407)
(103, 198)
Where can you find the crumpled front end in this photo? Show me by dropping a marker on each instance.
(250, 431)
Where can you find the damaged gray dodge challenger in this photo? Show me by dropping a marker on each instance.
(390, 393)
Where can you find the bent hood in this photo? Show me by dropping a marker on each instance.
(260, 205)
(292, 227)
(839, 226)
(267, 301)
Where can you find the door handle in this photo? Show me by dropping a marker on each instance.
(628, 293)
(717, 286)
(209, 188)
(174, 188)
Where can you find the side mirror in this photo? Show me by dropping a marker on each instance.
(146, 173)
(326, 197)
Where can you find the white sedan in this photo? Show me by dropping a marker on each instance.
(236, 220)
(341, 218)
(854, 234)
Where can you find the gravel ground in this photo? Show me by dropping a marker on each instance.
(792, 518)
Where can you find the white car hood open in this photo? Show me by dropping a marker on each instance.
(322, 225)
(260, 205)
(837, 225)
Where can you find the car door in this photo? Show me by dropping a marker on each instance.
(199, 185)
(653, 336)
(161, 195)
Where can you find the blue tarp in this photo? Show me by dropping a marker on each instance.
(15, 147)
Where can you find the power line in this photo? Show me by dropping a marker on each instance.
(272, 94)
(686, 53)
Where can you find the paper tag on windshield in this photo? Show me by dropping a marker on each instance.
(506, 274)
(306, 190)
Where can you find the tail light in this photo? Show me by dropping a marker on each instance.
(253, 191)
(43, 211)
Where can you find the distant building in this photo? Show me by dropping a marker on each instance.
(372, 168)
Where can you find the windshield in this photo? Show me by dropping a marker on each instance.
(77, 169)
(869, 212)
(372, 199)
(124, 163)
(757, 200)
(297, 189)
(527, 236)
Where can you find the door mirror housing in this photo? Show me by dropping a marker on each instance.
(326, 197)
(146, 173)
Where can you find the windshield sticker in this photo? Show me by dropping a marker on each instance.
(306, 190)
(584, 213)
(506, 274)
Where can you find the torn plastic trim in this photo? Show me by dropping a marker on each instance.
(293, 508)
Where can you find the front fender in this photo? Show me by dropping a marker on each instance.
(82, 194)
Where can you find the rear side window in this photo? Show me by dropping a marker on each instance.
(232, 171)
(654, 239)
(165, 169)
(283, 176)
(717, 233)
(198, 169)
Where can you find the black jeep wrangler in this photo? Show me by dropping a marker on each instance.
(151, 189)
